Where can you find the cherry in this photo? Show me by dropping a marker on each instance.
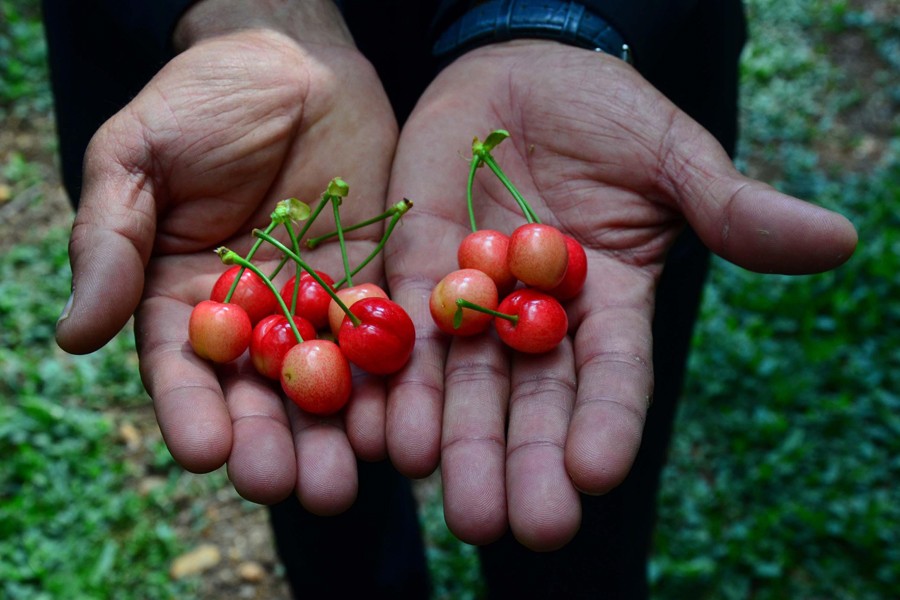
(312, 298)
(316, 376)
(472, 285)
(537, 255)
(350, 296)
(272, 338)
(576, 272)
(486, 250)
(219, 332)
(532, 321)
(251, 293)
(383, 340)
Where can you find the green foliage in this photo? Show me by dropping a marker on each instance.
(453, 565)
(782, 475)
(71, 526)
(24, 87)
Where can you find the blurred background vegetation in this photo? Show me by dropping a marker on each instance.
(782, 481)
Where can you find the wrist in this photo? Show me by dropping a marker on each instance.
(308, 22)
(563, 21)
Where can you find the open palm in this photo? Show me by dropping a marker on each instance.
(197, 160)
(603, 156)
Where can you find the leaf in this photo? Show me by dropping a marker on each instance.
(494, 139)
(457, 317)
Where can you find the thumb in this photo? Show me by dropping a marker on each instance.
(110, 244)
(748, 222)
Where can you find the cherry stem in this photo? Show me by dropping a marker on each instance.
(272, 225)
(336, 203)
(296, 258)
(278, 268)
(398, 211)
(529, 213)
(476, 162)
(295, 245)
(462, 303)
(312, 217)
(401, 207)
(230, 257)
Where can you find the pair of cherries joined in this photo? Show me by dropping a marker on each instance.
(281, 327)
(516, 281)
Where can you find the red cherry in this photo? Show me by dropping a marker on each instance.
(349, 296)
(383, 341)
(472, 285)
(537, 255)
(486, 250)
(272, 338)
(312, 298)
(316, 376)
(219, 332)
(251, 293)
(576, 273)
(541, 321)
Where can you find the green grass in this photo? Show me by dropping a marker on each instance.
(72, 524)
(782, 475)
(24, 87)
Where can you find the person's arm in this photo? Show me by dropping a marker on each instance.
(261, 101)
(605, 157)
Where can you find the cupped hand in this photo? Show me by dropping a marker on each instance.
(199, 158)
(600, 154)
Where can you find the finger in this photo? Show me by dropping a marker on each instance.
(473, 449)
(188, 399)
(327, 481)
(262, 465)
(416, 394)
(745, 221)
(613, 350)
(544, 506)
(364, 417)
(109, 246)
(418, 255)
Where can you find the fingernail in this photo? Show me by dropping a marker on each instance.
(65, 311)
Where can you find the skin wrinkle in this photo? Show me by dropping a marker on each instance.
(540, 384)
(473, 372)
(492, 440)
(265, 417)
(535, 443)
(312, 424)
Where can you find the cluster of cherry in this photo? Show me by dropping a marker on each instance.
(516, 282)
(281, 328)
(551, 267)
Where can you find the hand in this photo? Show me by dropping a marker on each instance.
(238, 121)
(602, 155)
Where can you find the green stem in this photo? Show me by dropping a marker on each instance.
(278, 268)
(476, 162)
(250, 254)
(384, 238)
(295, 246)
(312, 217)
(336, 203)
(462, 303)
(296, 258)
(401, 207)
(230, 257)
(530, 215)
